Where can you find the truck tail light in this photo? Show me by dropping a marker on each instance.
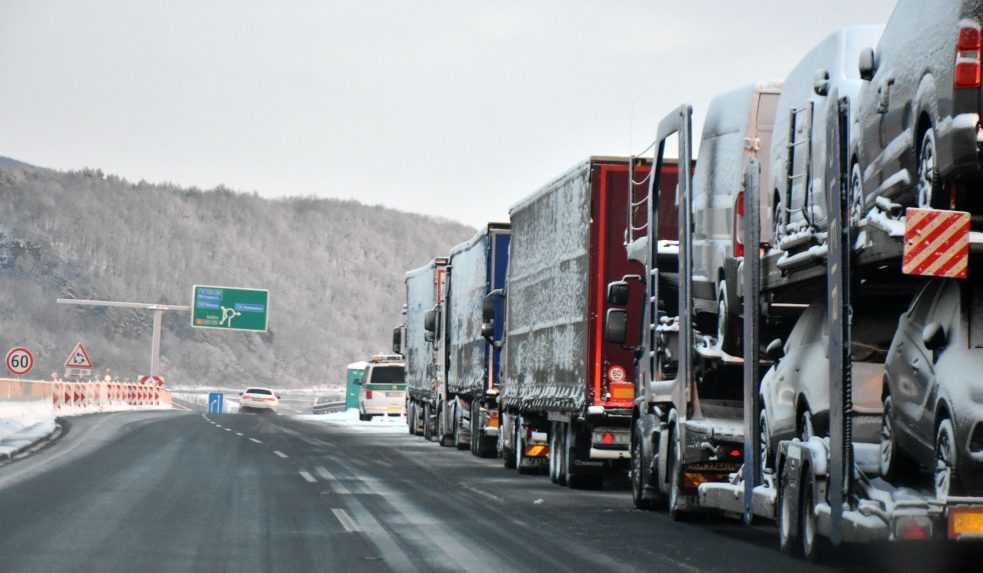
(739, 225)
(967, 72)
(368, 394)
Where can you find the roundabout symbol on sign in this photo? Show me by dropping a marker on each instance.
(19, 361)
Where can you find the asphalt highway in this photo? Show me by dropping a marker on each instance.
(182, 491)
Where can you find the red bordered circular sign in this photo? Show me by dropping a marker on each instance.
(19, 361)
(616, 374)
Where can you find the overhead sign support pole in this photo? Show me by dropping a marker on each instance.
(158, 309)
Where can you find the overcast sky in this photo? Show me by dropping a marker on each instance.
(452, 108)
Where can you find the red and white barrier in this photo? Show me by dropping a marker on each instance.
(70, 398)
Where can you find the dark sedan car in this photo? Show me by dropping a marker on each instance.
(919, 116)
(933, 399)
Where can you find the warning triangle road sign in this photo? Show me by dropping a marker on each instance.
(78, 358)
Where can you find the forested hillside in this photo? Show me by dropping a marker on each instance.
(334, 270)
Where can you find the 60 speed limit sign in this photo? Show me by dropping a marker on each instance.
(19, 361)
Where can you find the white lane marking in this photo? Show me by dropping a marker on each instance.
(346, 520)
(338, 487)
(228, 429)
(239, 434)
(281, 454)
(255, 441)
(307, 476)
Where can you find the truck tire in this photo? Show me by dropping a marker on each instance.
(644, 491)
(814, 546)
(518, 449)
(578, 477)
(427, 424)
(508, 455)
(458, 422)
(446, 438)
(555, 449)
(675, 471)
(475, 427)
(788, 509)
(411, 418)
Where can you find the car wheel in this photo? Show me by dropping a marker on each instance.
(893, 462)
(856, 195)
(764, 436)
(945, 460)
(928, 183)
(727, 324)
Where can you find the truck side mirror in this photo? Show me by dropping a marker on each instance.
(820, 83)
(934, 338)
(488, 305)
(618, 292)
(430, 321)
(775, 350)
(868, 64)
(616, 326)
(398, 340)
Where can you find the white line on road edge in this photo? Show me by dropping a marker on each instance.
(255, 441)
(338, 487)
(307, 476)
(346, 520)
(281, 454)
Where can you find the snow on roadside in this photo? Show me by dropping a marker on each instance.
(23, 423)
(349, 419)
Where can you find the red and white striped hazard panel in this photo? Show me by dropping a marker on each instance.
(936, 243)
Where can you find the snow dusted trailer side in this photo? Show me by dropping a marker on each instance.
(567, 394)
(423, 288)
(470, 404)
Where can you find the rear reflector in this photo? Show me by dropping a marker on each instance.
(368, 394)
(967, 67)
(739, 225)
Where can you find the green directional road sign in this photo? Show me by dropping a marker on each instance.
(228, 308)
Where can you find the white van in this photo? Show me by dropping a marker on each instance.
(738, 128)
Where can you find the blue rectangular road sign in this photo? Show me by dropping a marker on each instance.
(215, 402)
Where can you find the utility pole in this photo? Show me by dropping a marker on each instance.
(158, 310)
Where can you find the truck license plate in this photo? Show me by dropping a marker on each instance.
(965, 521)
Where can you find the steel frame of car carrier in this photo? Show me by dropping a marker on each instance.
(819, 494)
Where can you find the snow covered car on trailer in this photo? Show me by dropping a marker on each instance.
(933, 393)
(919, 115)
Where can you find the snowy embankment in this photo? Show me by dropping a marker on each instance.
(349, 419)
(24, 423)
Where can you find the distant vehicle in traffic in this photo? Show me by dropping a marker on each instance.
(383, 391)
(258, 400)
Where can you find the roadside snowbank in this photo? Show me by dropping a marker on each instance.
(349, 419)
(23, 423)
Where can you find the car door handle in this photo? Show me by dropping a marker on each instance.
(915, 362)
(884, 96)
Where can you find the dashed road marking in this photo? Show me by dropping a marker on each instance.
(228, 429)
(336, 485)
(255, 441)
(239, 434)
(281, 454)
(346, 520)
(307, 476)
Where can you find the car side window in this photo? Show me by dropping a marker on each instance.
(924, 304)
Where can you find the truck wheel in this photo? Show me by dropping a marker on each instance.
(446, 438)
(458, 422)
(643, 493)
(411, 418)
(813, 545)
(675, 471)
(475, 425)
(554, 459)
(427, 425)
(518, 449)
(508, 454)
(578, 477)
(787, 509)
